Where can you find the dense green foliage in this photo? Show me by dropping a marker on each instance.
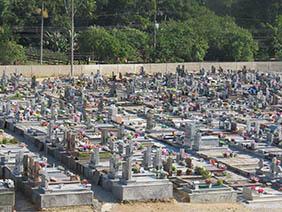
(123, 30)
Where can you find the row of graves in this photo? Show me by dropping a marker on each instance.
(207, 136)
(47, 185)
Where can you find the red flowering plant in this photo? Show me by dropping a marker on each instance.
(260, 190)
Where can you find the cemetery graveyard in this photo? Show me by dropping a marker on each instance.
(207, 136)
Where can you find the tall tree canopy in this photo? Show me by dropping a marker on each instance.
(124, 30)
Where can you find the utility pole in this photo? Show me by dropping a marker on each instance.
(42, 32)
(72, 36)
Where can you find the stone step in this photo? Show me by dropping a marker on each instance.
(262, 200)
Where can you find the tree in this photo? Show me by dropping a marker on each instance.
(11, 52)
(99, 44)
(177, 42)
(134, 42)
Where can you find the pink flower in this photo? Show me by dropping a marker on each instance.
(260, 190)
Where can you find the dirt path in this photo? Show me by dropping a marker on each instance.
(178, 207)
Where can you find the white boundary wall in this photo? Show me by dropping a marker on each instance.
(107, 69)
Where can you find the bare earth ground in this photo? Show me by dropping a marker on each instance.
(179, 207)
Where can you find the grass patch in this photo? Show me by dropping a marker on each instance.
(9, 141)
(105, 155)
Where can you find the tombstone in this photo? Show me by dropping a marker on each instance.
(257, 128)
(269, 138)
(198, 139)
(53, 114)
(71, 142)
(260, 164)
(120, 148)
(112, 145)
(150, 120)
(42, 108)
(127, 169)
(105, 136)
(50, 131)
(95, 158)
(147, 157)
(113, 111)
(83, 110)
(45, 179)
(3, 160)
(178, 158)
(17, 116)
(168, 165)
(189, 134)
(18, 169)
(50, 102)
(25, 165)
(273, 166)
(120, 133)
(114, 166)
(101, 104)
(182, 153)
(35, 177)
(113, 90)
(4, 79)
(33, 82)
(157, 162)
(129, 150)
(249, 126)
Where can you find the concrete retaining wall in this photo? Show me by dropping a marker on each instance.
(214, 197)
(7, 201)
(146, 191)
(106, 69)
(62, 199)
